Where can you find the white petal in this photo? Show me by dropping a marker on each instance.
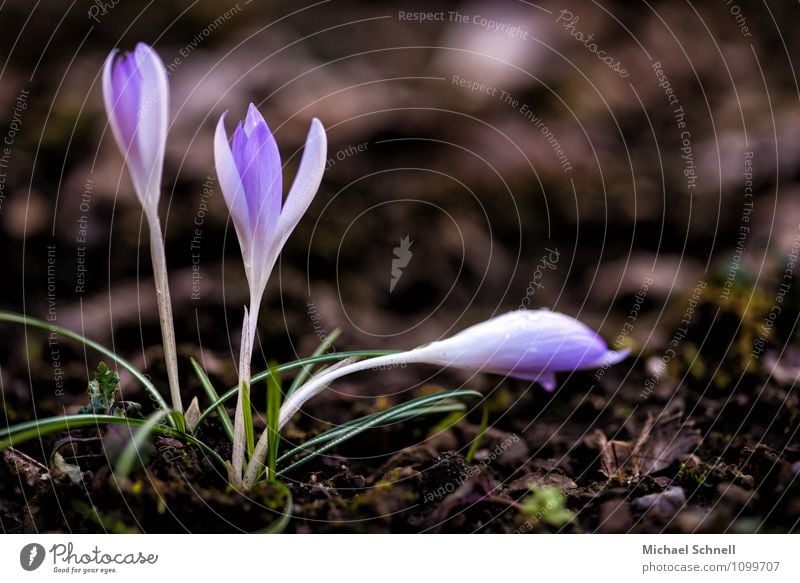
(253, 118)
(153, 120)
(232, 189)
(546, 379)
(110, 99)
(307, 181)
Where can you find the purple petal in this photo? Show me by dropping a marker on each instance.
(136, 95)
(610, 358)
(307, 181)
(259, 164)
(532, 345)
(253, 119)
(121, 91)
(126, 84)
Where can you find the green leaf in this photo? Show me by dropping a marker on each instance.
(306, 369)
(177, 420)
(6, 316)
(548, 505)
(334, 432)
(476, 443)
(107, 523)
(17, 434)
(133, 450)
(282, 521)
(274, 399)
(337, 435)
(448, 421)
(247, 411)
(213, 396)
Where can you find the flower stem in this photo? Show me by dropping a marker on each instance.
(240, 431)
(164, 308)
(314, 386)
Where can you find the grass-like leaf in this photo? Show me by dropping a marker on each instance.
(247, 412)
(306, 369)
(177, 420)
(17, 434)
(334, 432)
(282, 521)
(274, 399)
(6, 316)
(337, 435)
(476, 443)
(213, 396)
(132, 452)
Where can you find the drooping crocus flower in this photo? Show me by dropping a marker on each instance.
(532, 345)
(136, 96)
(249, 171)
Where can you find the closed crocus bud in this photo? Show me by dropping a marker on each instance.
(136, 95)
(532, 345)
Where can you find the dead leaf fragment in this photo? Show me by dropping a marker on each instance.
(661, 441)
(31, 471)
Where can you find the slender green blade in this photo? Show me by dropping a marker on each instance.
(18, 434)
(355, 427)
(177, 420)
(247, 412)
(131, 453)
(274, 398)
(306, 369)
(285, 515)
(481, 432)
(6, 316)
(334, 432)
(213, 396)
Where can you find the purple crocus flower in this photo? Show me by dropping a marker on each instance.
(532, 345)
(249, 171)
(136, 95)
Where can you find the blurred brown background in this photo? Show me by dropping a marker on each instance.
(492, 134)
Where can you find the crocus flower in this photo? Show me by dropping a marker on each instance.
(136, 96)
(249, 171)
(532, 345)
